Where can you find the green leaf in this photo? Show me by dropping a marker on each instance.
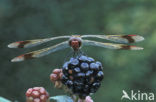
(4, 100)
(62, 98)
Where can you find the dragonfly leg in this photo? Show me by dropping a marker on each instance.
(82, 53)
(70, 54)
(74, 54)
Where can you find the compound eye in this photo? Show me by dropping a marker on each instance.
(75, 44)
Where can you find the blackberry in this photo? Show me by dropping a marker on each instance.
(56, 77)
(37, 94)
(83, 75)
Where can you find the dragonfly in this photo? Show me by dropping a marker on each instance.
(75, 42)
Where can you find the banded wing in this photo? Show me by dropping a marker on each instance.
(118, 38)
(111, 45)
(31, 43)
(40, 53)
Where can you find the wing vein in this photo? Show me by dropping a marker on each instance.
(117, 38)
(32, 43)
(41, 52)
(111, 45)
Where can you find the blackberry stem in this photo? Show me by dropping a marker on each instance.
(75, 98)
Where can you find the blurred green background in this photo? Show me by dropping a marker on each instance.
(32, 19)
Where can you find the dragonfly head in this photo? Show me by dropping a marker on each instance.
(75, 42)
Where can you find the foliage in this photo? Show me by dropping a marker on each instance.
(4, 100)
(62, 99)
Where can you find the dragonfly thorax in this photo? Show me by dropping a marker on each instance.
(75, 42)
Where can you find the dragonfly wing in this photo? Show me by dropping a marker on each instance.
(118, 38)
(40, 53)
(111, 45)
(31, 43)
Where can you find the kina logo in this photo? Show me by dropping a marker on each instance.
(137, 96)
(125, 95)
